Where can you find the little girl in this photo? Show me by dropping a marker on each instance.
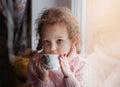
(59, 34)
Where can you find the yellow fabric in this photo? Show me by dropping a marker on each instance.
(19, 70)
(20, 66)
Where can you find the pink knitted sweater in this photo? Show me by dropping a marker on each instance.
(56, 78)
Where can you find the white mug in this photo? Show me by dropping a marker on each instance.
(50, 61)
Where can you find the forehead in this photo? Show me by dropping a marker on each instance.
(56, 30)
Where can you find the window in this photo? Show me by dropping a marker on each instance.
(78, 8)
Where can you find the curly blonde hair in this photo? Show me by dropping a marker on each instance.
(59, 15)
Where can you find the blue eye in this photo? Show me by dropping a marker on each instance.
(60, 41)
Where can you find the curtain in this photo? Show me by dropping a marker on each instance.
(15, 35)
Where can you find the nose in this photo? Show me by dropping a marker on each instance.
(53, 48)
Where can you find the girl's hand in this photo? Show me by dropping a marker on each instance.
(65, 67)
(40, 70)
(65, 60)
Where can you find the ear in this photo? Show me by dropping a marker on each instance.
(75, 39)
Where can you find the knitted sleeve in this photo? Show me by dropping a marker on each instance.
(34, 81)
(76, 80)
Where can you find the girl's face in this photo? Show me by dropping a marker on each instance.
(55, 39)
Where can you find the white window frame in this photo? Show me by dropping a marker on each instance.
(78, 8)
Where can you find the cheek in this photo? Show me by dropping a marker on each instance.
(45, 50)
(64, 49)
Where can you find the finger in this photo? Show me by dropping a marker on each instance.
(39, 66)
(61, 64)
(65, 58)
(65, 55)
(41, 70)
(64, 61)
(34, 61)
(36, 56)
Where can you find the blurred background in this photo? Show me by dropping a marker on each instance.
(102, 42)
